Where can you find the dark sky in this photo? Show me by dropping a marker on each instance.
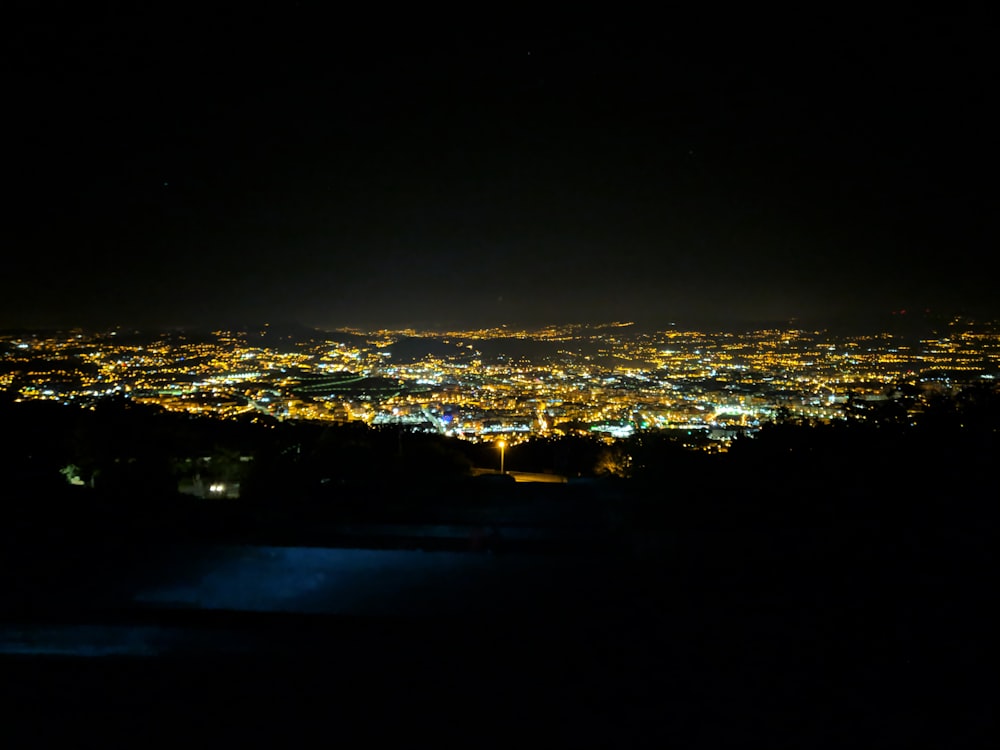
(179, 167)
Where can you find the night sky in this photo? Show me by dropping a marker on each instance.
(172, 167)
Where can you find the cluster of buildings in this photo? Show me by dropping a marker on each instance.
(610, 380)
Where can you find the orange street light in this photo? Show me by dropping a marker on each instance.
(503, 445)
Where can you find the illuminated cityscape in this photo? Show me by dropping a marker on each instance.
(516, 380)
(607, 380)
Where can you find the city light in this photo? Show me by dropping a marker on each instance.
(607, 381)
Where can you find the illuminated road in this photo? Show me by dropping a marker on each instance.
(532, 476)
(523, 476)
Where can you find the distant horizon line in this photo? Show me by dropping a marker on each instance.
(900, 317)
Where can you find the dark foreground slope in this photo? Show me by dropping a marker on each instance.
(707, 624)
(815, 587)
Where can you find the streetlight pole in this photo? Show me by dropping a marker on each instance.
(503, 445)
